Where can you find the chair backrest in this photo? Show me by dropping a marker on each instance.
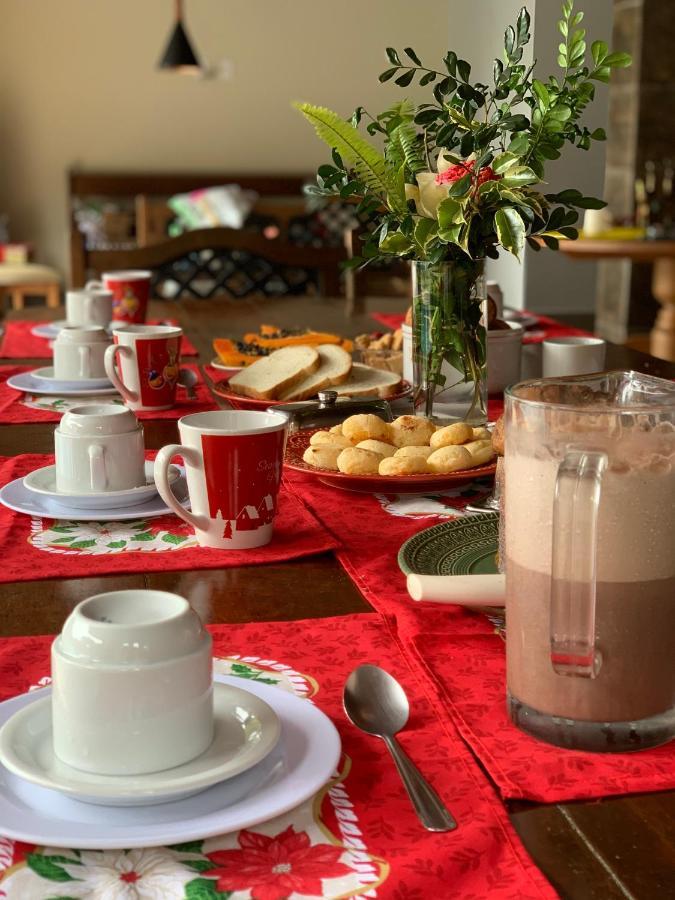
(390, 279)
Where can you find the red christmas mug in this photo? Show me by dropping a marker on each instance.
(148, 357)
(233, 461)
(131, 292)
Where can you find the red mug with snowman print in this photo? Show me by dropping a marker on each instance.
(131, 293)
(143, 363)
(233, 461)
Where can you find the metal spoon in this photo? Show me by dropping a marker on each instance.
(376, 703)
(188, 379)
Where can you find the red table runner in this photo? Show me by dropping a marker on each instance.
(359, 838)
(19, 408)
(544, 329)
(18, 342)
(34, 547)
(462, 654)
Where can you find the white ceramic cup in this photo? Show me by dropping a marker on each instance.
(572, 356)
(79, 353)
(233, 461)
(89, 307)
(148, 357)
(132, 686)
(504, 349)
(99, 448)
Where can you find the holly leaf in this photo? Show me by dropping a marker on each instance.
(205, 889)
(174, 538)
(188, 847)
(144, 536)
(82, 545)
(48, 866)
(510, 230)
(116, 545)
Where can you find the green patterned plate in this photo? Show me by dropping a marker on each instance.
(466, 546)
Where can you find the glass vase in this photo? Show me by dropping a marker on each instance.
(449, 341)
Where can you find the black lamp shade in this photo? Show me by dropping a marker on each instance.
(179, 53)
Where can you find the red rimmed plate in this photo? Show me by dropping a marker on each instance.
(220, 389)
(377, 484)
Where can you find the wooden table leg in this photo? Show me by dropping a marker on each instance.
(662, 338)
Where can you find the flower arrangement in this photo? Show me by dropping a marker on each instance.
(457, 177)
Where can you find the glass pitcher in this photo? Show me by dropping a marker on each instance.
(590, 560)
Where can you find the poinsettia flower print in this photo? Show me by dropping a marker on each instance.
(272, 868)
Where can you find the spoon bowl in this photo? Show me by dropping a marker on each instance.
(376, 703)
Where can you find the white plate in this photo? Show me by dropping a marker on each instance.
(29, 384)
(302, 763)
(16, 496)
(47, 374)
(48, 330)
(217, 364)
(246, 730)
(43, 481)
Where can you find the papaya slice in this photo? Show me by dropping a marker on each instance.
(309, 338)
(238, 353)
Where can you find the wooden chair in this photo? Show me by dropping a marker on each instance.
(29, 280)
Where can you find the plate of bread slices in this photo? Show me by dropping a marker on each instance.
(299, 371)
(408, 455)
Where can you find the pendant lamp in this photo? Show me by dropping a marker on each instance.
(179, 55)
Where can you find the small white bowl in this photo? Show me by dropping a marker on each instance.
(132, 687)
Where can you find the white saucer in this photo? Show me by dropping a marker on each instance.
(519, 317)
(246, 731)
(47, 374)
(50, 330)
(29, 384)
(297, 768)
(18, 497)
(43, 481)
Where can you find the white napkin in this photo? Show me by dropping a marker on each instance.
(464, 590)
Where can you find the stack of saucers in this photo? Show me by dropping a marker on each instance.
(135, 720)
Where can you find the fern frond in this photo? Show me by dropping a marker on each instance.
(370, 166)
(411, 148)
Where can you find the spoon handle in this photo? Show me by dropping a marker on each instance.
(428, 805)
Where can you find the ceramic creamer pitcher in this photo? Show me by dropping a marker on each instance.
(590, 560)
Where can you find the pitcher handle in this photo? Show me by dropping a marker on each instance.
(573, 565)
(112, 373)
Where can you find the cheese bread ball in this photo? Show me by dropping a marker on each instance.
(449, 459)
(457, 433)
(403, 465)
(324, 456)
(377, 447)
(412, 431)
(481, 434)
(353, 461)
(365, 427)
(474, 446)
(336, 429)
(417, 452)
(321, 438)
(481, 452)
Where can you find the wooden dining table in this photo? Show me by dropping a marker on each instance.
(610, 848)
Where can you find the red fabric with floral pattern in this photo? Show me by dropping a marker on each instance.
(18, 342)
(33, 548)
(19, 408)
(482, 858)
(465, 658)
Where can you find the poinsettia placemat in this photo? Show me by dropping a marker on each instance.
(24, 409)
(19, 343)
(358, 837)
(33, 547)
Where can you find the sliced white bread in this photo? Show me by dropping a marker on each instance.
(335, 364)
(267, 377)
(365, 381)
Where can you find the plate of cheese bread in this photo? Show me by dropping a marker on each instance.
(298, 372)
(408, 455)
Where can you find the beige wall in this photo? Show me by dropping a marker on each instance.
(78, 86)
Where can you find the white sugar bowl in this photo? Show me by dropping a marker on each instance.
(132, 685)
